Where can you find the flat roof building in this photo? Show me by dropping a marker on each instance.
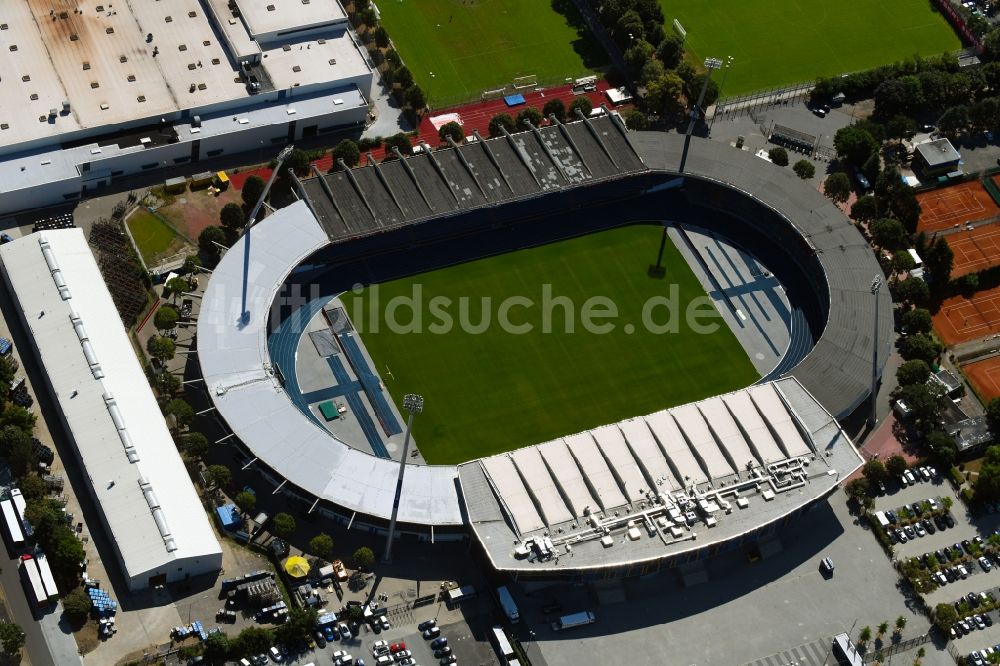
(146, 500)
(937, 157)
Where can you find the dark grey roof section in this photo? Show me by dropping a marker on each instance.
(838, 369)
(461, 178)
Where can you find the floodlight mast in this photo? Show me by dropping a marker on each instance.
(876, 286)
(244, 313)
(414, 404)
(710, 64)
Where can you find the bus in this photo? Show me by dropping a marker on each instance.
(501, 644)
(32, 580)
(11, 525)
(508, 605)
(845, 651)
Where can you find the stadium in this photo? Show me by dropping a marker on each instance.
(622, 498)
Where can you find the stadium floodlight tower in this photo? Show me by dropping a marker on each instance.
(244, 313)
(710, 64)
(876, 286)
(414, 404)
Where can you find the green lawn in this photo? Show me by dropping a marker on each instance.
(495, 391)
(475, 45)
(155, 238)
(775, 43)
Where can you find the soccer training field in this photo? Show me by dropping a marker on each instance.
(495, 390)
(474, 45)
(776, 43)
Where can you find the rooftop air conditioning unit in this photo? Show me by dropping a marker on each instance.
(196, 121)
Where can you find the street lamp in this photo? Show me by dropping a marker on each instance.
(876, 285)
(710, 64)
(725, 74)
(413, 404)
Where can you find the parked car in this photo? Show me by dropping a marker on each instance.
(910, 532)
(427, 624)
(929, 526)
(889, 515)
(397, 647)
(919, 528)
(433, 632)
(320, 639)
(962, 571)
(345, 632)
(910, 477)
(985, 564)
(443, 652)
(439, 643)
(949, 520)
(380, 647)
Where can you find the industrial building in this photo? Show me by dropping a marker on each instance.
(93, 91)
(142, 491)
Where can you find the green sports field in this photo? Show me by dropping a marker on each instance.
(775, 43)
(155, 238)
(474, 45)
(496, 390)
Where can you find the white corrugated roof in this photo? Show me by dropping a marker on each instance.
(541, 485)
(93, 393)
(753, 425)
(512, 493)
(567, 476)
(596, 470)
(235, 362)
(727, 433)
(774, 410)
(670, 438)
(648, 453)
(701, 441)
(612, 442)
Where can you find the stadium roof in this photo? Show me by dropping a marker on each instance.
(572, 491)
(143, 489)
(247, 394)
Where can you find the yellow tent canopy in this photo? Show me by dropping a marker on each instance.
(296, 567)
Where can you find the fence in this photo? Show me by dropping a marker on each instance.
(895, 648)
(752, 102)
(439, 102)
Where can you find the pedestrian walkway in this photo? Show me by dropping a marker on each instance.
(816, 653)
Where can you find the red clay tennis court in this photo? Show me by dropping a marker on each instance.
(962, 319)
(949, 206)
(975, 250)
(985, 377)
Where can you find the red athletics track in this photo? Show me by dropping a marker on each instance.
(951, 206)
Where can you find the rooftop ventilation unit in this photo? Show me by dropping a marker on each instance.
(53, 265)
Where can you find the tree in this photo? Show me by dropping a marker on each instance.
(865, 209)
(854, 145)
(218, 475)
(901, 127)
(381, 37)
(942, 447)
(912, 290)
(671, 51)
(874, 471)
(283, 525)
(638, 55)
(452, 129)
(166, 383)
(176, 286)
(364, 558)
(805, 170)
(400, 141)
(252, 640)
(883, 627)
(348, 151)
(19, 417)
(581, 103)
(246, 501)
(919, 346)
(77, 604)
(663, 96)
(297, 626)
(938, 260)
(635, 120)
(954, 120)
(195, 445)
(297, 162)
(527, 115)
(207, 240)
(321, 546)
(888, 234)
(913, 372)
(865, 635)
(32, 487)
(857, 489)
(554, 107)
(652, 70)
(925, 406)
(415, 97)
(182, 412)
(917, 320)
(993, 417)
(15, 446)
(838, 187)
(902, 262)
(945, 615)
(778, 156)
(165, 318)
(217, 646)
(11, 638)
(895, 465)
(231, 217)
(693, 88)
(501, 120)
(160, 348)
(253, 187)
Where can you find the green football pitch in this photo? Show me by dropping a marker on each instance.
(495, 390)
(775, 43)
(474, 45)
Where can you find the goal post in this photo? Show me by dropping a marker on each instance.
(680, 29)
(529, 81)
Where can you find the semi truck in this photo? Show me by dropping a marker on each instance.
(12, 526)
(48, 581)
(32, 580)
(574, 620)
(508, 605)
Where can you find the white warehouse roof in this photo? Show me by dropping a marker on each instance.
(149, 504)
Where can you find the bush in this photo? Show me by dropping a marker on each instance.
(554, 107)
(778, 156)
(348, 151)
(218, 475)
(182, 412)
(452, 129)
(365, 144)
(231, 217)
(581, 103)
(160, 348)
(283, 525)
(804, 169)
(253, 187)
(165, 318)
(501, 120)
(246, 501)
(956, 476)
(321, 546)
(195, 445)
(528, 115)
(636, 120)
(364, 558)
(77, 604)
